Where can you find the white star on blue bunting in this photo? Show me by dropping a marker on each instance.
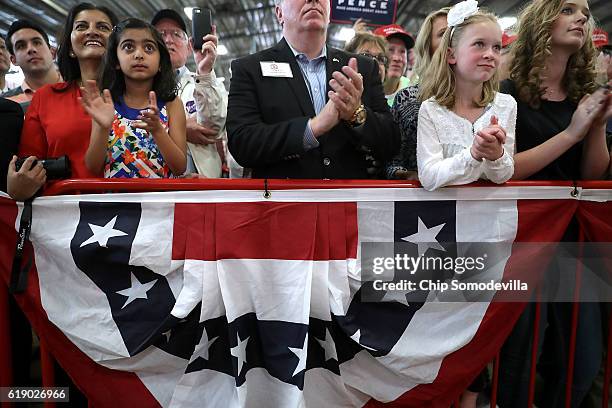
(101, 234)
(329, 346)
(425, 237)
(239, 351)
(301, 353)
(137, 290)
(201, 350)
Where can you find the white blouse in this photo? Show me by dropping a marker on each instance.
(444, 140)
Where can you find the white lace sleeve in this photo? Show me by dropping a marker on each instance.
(502, 169)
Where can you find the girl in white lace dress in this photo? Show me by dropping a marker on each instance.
(465, 127)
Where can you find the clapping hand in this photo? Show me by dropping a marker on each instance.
(489, 142)
(347, 88)
(99, 106)
(592, 109)
(494, 129)
(149, 118)
(325, 120)
(605, 114)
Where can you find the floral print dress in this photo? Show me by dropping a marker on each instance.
(132, 152)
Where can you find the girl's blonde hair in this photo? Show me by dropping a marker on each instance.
(422, 46)
(533, 46)
(439, 81)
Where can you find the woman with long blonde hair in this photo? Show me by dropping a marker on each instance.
(561, 118)
(553, 69)
(406, 106)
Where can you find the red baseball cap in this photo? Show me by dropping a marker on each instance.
(395, 30)
(508, 39)
(600, 38)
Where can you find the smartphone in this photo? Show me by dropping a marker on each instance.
(201, 25)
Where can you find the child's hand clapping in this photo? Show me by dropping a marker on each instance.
(149, 118)
(488, 142)
(99, 106)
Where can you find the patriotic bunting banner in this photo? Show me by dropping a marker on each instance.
(225, 299)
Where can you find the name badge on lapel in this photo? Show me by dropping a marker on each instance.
(276, 69)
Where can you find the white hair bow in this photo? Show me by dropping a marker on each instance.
(460, 11)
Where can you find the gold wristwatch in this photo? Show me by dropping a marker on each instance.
(359, 116)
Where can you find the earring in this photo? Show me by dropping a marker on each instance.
(72, 54)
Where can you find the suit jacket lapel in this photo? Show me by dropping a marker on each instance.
(298, 82)
(335, 61)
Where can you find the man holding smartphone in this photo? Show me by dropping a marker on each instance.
(302, 109)
(204, 98)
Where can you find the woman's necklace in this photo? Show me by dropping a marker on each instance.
(550, 91)
(553, 93)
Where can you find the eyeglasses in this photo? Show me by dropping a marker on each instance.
(176, 34)
(380, 58)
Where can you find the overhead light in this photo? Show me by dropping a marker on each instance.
(506, 22)
(188, 12)
(222, 50)
(345, 34)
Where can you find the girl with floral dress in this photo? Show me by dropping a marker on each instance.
(138, 122)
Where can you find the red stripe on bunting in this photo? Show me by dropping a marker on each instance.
(102, 386)
(8, 212)
(596, 221)
(538, 221)
(289, 231)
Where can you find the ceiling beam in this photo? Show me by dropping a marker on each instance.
(248, 35)
(25, 13)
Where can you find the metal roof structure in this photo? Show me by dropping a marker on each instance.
(246, 26)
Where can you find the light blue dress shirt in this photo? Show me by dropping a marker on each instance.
(315, 76)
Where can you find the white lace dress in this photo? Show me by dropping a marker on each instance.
(444, 140)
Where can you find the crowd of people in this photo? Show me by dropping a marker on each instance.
(463, 101)
(435, 109)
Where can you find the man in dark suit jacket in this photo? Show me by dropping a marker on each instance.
(11, 120)
(304, 110)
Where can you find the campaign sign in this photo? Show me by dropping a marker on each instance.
(373, 12)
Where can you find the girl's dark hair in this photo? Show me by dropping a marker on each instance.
(165, 81)
(69, 66)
